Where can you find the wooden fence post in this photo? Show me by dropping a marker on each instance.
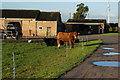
(14, 69)
(82, 44)
(66, 49)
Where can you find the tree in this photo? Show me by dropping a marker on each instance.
(81, 11)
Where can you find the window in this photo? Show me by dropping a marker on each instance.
(40, 28)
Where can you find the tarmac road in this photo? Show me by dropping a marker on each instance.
(87, 70)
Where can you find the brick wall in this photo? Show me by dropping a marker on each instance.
(29, 28)
(25, 27)
(47, 28)
(1, 24)
(33, 28)
(6, 21)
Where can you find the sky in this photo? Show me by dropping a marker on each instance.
(119, 9)
(97, 10)
(59, 0)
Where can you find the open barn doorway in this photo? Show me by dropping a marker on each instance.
(14, 30)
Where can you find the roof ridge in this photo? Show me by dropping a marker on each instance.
(86, 19)
(21, 9)
(49, 12)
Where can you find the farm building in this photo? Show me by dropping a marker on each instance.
(119, 22)
(87, 26)
(33, 22)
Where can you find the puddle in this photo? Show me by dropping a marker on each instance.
(109, 48)
(107, 63)
(111, 53)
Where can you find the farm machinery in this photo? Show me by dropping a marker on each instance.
(12, 30)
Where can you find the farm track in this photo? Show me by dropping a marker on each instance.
(89, 71)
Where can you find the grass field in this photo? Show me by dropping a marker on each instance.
(35, 60)
(0, 59)
(107, 34)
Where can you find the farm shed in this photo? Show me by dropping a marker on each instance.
(49, 24)
(33, 22)
(87, 26)
(119, 22)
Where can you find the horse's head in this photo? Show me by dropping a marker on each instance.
(75, 34)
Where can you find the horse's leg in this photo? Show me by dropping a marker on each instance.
(70, 43)
(58, 42)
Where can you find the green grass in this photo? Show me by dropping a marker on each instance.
(34, 60)
(107, 34)
(0, 59)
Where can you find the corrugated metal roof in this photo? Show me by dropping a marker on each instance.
(10, 13)
(49, 16)
(36, 14)
(87, 20)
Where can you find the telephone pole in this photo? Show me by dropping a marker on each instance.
(108, 7)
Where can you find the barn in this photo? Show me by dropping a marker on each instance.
(87, 26)
(33, 22)
(119, 22)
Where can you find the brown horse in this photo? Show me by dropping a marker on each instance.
(67, 37)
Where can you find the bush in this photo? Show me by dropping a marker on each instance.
(113, 29)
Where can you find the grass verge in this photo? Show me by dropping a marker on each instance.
(35, 60)
(110, 34)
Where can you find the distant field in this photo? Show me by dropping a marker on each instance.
(35, 60)
(111, 34)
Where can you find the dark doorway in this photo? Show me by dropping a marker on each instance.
(14, 29)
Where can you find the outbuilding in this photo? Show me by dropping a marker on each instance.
(33, 22)
(119, 22)
(87, 26)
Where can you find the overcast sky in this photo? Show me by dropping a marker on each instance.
(97, 10)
